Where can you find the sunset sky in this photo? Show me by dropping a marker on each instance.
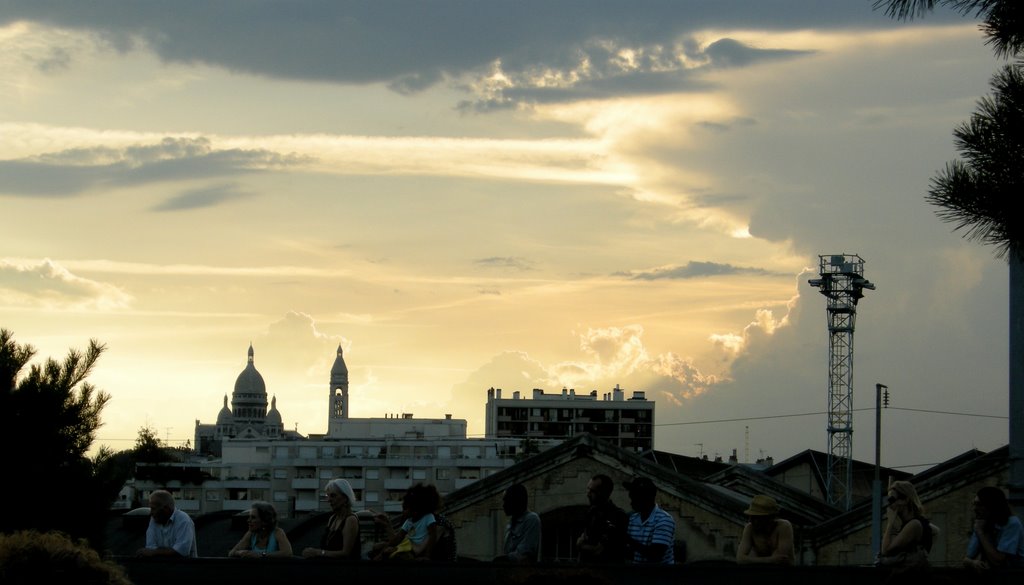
(510, 194)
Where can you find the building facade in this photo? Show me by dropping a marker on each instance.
(626, 423)
(248, 416)
(248, 455)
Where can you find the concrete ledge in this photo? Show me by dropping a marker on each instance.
(219, 570)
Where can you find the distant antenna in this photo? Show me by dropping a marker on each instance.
(746, 444)
(701, 452)
(842, 282)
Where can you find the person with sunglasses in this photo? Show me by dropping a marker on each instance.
(908, 535)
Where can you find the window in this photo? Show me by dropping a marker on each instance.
(326, 474)
(471, 452)
(307, 452)
(280, 474)
(372, 498)
(212, 496)
(443, 473)
(281, 453)
(419, 474)
(328, 452)
(444, 452)
(280, 496)
(372, 474)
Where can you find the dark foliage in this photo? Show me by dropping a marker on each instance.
(1002, 20)
(48, 419)
(977, 194)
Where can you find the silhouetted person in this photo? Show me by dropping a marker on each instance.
(908, 535)
(997, 539)
(604, 538)
(416, 537)
(340, 539)
(522, 534)
(767, 539)
(264, 537)
(652, 530)
(171, 532)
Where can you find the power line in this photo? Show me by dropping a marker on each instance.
(952, 413)
(723, 420)
(768, 417)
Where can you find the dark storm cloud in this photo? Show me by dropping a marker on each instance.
(695, 270)
(413, 44)
(732, 53)
(76, 171)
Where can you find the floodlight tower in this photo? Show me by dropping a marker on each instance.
(842, 282)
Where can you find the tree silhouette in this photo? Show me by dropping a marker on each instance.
(1002, 20)
(48, 419)
(977, 193)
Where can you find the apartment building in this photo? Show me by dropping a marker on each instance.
(626, 423)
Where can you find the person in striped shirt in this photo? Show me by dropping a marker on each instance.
(652, 530)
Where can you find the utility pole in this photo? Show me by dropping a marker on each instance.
(876, 485)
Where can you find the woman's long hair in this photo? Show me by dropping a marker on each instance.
(907, 490)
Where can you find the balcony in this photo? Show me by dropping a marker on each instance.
(305, 483)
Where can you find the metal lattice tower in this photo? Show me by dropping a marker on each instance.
(842, 282)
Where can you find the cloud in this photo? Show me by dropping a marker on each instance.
(505, 262)
(695, 270)
(48, 285)
(411, 46)
(604, 70)
(78, 170)
(294, 349)
(199, 198)
(613, 357)
(732, 53)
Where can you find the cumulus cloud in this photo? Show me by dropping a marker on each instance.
(612, 357)
(46, 284)
(764, 324)
(293, 349)
(76, 171)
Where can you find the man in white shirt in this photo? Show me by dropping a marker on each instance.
(171, 532)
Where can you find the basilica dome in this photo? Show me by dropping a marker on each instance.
(250, 381)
